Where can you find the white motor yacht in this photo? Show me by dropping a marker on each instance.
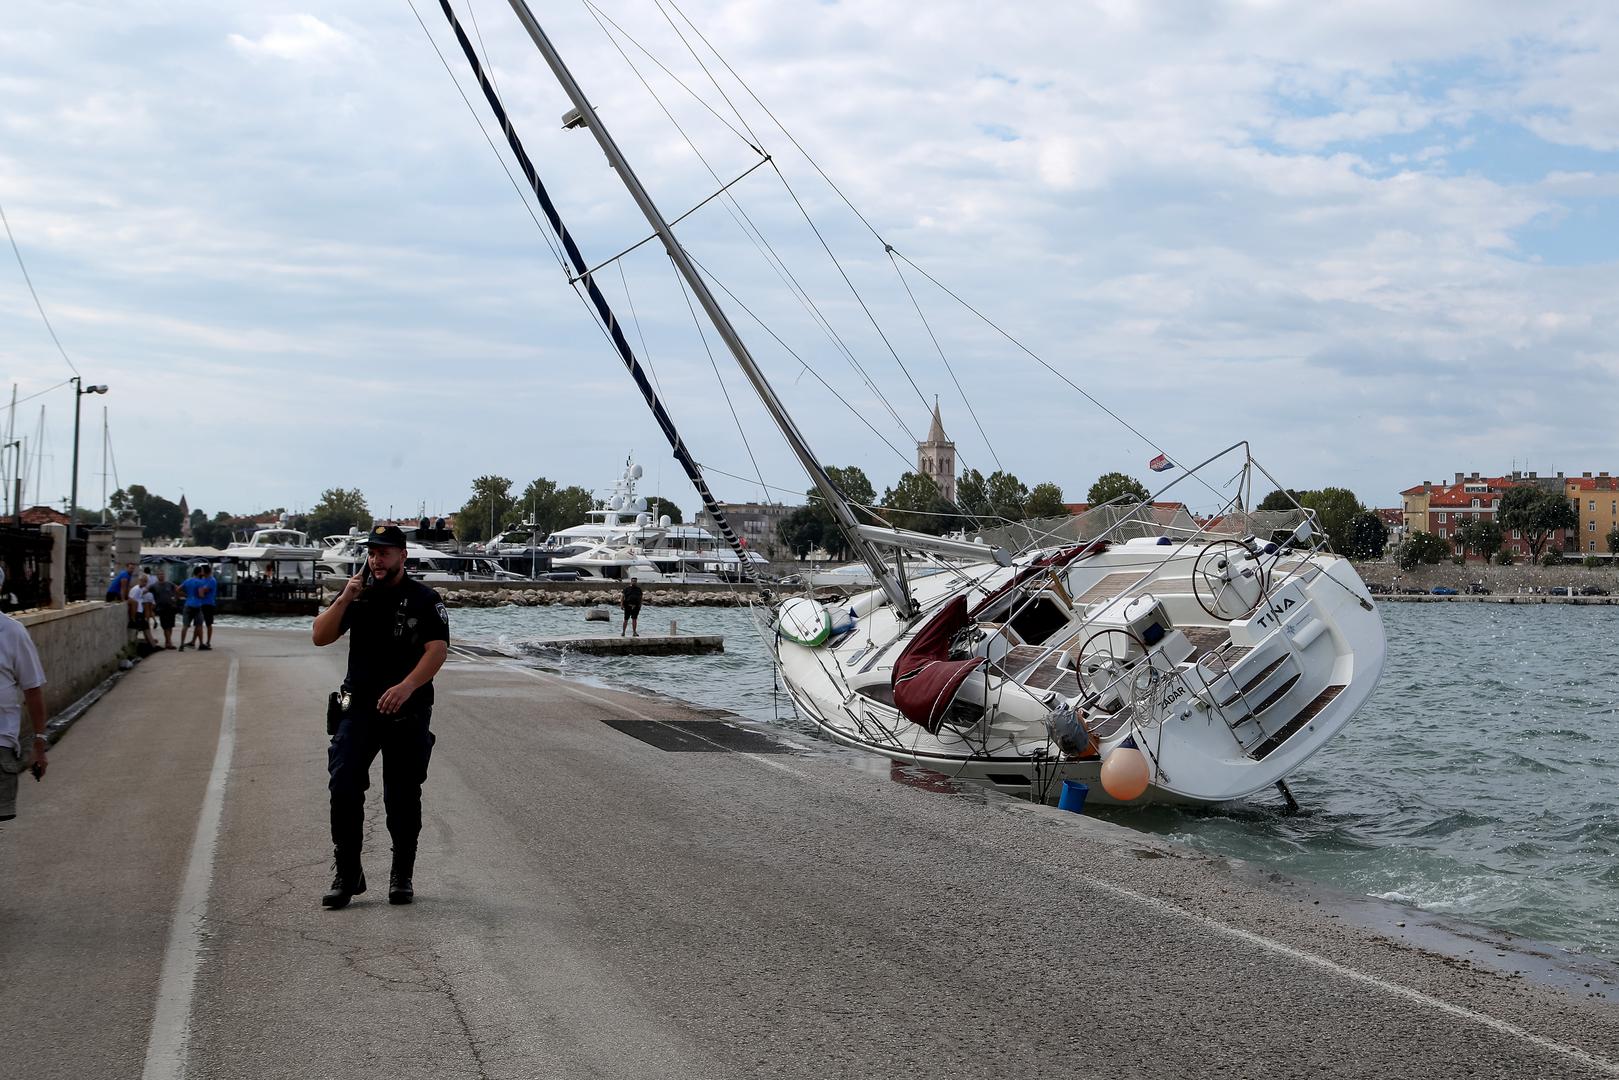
(344, 553)
(284, 552)
(622, 541)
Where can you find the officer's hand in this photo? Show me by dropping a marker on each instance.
(394, 698)
(355, 584)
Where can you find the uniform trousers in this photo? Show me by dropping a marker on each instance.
(406, 744)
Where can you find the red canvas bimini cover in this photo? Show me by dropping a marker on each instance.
(925, 679)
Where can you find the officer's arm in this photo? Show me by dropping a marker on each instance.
(433, 654)
(329, 623)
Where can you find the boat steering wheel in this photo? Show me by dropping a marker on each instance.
(1228, 580)
(1107, 656)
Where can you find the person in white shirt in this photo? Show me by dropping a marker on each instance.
(141, 605)
(21, 679)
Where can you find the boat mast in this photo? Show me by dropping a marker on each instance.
(884, 575)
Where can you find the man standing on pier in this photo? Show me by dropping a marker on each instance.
(401, 633)
(632, 608)
(21, 682)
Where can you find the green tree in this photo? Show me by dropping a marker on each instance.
(1368, 536)
(812, 525)
(1335, 508)
(663, 508)
(158, 516)
(1045, 501)
(1421, 547)
(1110, 486)
(338, 511)
(999, 496)
(1480, 535)
(853, 482)
(1279, 500)
(487, 512)
(1537, 513)
(215, 533)
(1613, 542)
(802, 531)
(550, 507)
(914, 503)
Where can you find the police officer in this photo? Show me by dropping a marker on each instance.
(400, 635)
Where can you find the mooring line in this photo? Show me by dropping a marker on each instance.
(171, 1020)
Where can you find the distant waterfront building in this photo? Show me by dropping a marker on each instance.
(1596, 499)
(756, 523)
(1442, 509)
(937, 457)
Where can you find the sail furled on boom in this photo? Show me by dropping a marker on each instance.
(604, 311)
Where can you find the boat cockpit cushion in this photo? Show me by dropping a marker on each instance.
(925, 678)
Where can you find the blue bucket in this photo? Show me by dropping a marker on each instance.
(1073, 795)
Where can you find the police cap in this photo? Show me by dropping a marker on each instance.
(385, 536)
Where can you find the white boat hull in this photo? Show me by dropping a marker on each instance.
(1254, 710)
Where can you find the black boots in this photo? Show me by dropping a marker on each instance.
(399, 889)
(347, 883)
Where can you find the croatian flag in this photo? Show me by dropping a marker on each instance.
(1160, 463)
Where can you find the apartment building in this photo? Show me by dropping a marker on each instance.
(1596, 498)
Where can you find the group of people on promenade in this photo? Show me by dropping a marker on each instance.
(153, 597)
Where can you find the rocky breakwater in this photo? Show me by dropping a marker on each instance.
(543, 597)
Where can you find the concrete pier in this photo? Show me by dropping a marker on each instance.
(608, 889)
(644, 645)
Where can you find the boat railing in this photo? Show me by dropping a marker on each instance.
(1309, 542)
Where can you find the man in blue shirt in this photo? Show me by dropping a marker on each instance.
(195, 588)
(118, 587)
(210, 599)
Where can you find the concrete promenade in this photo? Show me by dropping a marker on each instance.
(589, 905)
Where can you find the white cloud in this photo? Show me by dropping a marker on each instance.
(1221, 219)
(300, 37)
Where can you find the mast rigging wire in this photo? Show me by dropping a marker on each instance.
(604, 20)
(597, 299)
(751, 229)
(521, 197)
(737, 420)
(890, 248)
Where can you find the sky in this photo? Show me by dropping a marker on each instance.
(1378, 241)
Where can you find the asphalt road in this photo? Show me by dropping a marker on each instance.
(589, 905)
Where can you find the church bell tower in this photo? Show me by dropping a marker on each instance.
(937, 457)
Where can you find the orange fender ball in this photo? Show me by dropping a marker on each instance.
(1125, 774)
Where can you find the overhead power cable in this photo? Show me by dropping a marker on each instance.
(15, 250)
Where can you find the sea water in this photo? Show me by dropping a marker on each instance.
(1477, 781)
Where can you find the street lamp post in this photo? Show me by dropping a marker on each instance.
(79, 390)
(14, 496)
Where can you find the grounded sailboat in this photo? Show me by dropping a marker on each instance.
(1194, 665)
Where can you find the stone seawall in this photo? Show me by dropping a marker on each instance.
(79, 646)
(1498, 579)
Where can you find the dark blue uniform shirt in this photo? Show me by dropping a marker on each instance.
(391, 628)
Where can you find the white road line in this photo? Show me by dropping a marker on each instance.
(611, 704)
(171, 1021)
(1303, 956)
